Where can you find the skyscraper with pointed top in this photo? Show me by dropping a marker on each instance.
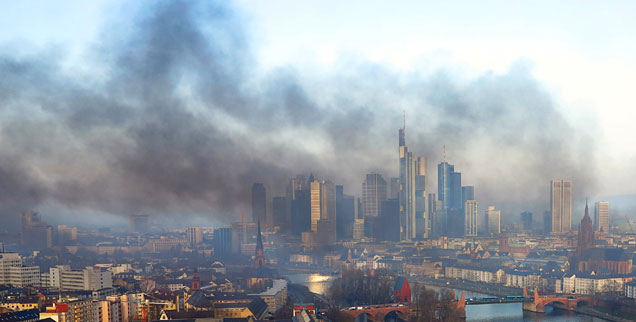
(259, 257)
(412, 193)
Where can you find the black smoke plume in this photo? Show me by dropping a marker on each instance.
(169, 118)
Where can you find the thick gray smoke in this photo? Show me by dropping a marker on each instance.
(170, 120)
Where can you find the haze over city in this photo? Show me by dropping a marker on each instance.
(176, 108)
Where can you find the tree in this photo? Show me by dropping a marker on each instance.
(434, 306)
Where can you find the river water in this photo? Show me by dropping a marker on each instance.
(511, 312)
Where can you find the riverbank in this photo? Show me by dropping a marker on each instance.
(489, 289)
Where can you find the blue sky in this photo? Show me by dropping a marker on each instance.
(583, 51)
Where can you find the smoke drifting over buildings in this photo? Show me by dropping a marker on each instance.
(166, 116)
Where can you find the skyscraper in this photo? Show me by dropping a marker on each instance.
(471, 218)
(35, 232)
(493, 220)
(259, 203)
(299, 205)
(373, 193)
(395, 188)
(449, 192)
(412, 189)
(279, 213)
(602, 216)
(222, 241)
(526, 220)
(323, 210)
(561, 205)
(345, 210)
(389, 225)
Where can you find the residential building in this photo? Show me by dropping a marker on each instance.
(91, 278)
(275, 296)
(561, 205)
(13, 272)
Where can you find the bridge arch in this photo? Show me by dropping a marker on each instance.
(394, 316)
(563, 302)
(364, 317)
(584, 302)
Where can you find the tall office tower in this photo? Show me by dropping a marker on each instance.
(298, 204)
(422, 222)
(468, 193)
(431, 209)
(194, 235)
(373, 193)
(259, 203)
(388, 227)
(323, 210)
(471, 218)
(394, 191)
(586, 233)
(345, 210)
(35, 232)
(602, 216)
(222, 241)
(526, 220)
(493, 220)
(138, 223)
(279, 213)
(449, 192)
(561, 205)
(410, 168)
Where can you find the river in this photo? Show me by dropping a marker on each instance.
(319, 283)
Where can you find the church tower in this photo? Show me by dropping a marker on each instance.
(259, 258)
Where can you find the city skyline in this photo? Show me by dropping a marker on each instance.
(191, 146)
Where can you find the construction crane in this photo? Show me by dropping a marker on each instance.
(630, 225)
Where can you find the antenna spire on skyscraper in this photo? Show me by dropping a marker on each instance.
(444, 153)
(404, 120)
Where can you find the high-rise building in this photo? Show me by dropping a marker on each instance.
(449, 192)
(526, 220)
(389, 223)
(65, 235)
(431, 209)
(373, 193)
(471, 218)
(298, 205)
(493, 220)
(561, 205)
(358, 229)
(35, 232)
(394, 191)
(602, 216)
(586, 233)
(259, 203)
(345, 210)
(323, 211)
(279, 213)
(90, 278)
(412, 195)
(547, 222)
(222, 241)
(194, 235)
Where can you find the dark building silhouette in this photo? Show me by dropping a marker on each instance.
(259, 203)
(259, 257)
(35, 233)
(299, 204)
(345, 211)
(547, 223)
(526, 220)
(222, 241)
(586, 234)
(389, 225)
(279, 213)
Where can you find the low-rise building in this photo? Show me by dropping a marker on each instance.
(91, 278)
(476, 274)
(275, 296)
(12, 272)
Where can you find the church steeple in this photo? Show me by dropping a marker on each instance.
(586, 233)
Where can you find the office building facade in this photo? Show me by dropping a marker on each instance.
(374, 191)
(602, 216)
(259, 204)
(561, 205)
(471, 218)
